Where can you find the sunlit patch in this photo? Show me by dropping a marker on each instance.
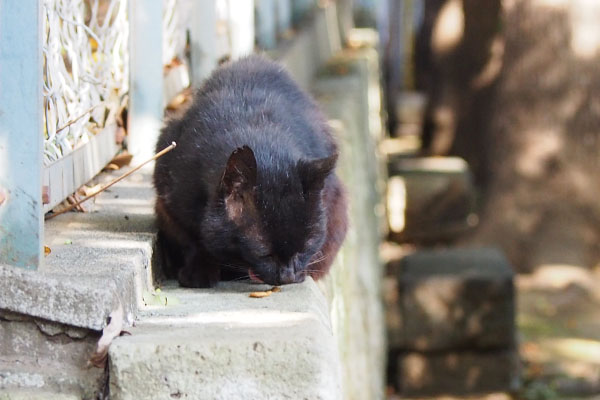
(585, 35)
(245, 317)
(491, 70)
(557, 4)
(585, 350)
(449, 27)
(557, 276)
(396, 199)
(539, 147)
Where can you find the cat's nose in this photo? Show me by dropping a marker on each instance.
(287, 275)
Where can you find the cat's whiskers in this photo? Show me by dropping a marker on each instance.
(234, 266)
(241, 278)
(318, 260)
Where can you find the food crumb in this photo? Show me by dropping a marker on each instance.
(261, 294)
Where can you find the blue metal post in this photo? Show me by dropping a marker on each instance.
(284, 16)
(266, 24)
(21, 218)
(146, 76)
(203, 38)
(300, 8)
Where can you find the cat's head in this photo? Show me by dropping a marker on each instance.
(271, 221)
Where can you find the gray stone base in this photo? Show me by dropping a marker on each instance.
(458, 373)
(222, 344)
(429, 198)
(450, 317)
(40, 358)
(453, 299)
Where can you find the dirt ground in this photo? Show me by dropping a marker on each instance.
(559, 331)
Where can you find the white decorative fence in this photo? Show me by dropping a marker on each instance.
(67, 67)
(85, 74)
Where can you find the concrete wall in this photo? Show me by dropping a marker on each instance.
(348, 90)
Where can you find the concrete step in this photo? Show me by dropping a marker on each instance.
(45, 379)
(50, 319)
(41, 355)
(222, 344)
(98, 261)
(36, 394)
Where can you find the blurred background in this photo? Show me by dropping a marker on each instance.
(509, 87)
(470, 147)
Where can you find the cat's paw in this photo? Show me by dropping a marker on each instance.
(197, 278)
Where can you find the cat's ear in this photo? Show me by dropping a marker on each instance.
(313, 172)
(240, 172)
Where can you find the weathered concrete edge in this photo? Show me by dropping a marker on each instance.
(287, 350)
(348, 90)
(70, 301)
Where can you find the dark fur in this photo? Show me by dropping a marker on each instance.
(251, 183)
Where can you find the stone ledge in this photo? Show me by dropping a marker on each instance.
(222, 344)
(98, 261)
(37, 355)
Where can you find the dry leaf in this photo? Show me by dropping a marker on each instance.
(110, 331)
(89, 191)
(157, 298)
(47, 250)
(121, 160)
(112, 167)
(120, 135)
(45, 195)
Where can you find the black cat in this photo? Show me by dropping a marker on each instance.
(250, 189)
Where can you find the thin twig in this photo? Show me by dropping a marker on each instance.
(71, 122)
(125, 175)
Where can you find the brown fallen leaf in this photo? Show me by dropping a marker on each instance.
(45, 195)
(110, 331)
(121, 160)
(47, 250)
(111, 167)
(90, 190)
(120, 135)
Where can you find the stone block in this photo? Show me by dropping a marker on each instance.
(41, 358)
(98, 261)
(457, 373)
(345, 90)
(429, 198)
(221, 344)
(36, 394)
(410, 107)
(454, 299)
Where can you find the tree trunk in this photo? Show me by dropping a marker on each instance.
(544, 138)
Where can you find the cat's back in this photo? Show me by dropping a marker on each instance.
(256, 102)
(253, 102)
